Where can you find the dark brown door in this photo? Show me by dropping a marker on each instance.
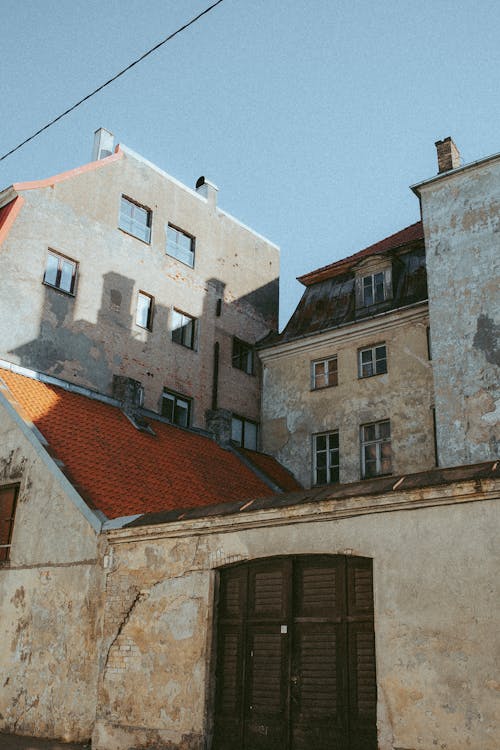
(295, 655)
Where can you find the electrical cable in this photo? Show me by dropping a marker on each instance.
(92, 93)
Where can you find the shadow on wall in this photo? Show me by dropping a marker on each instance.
(89, 354)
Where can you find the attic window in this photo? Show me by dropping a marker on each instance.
(373, 288)
(8, 497)
(135, 219)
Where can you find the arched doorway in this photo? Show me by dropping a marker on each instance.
(295, 667)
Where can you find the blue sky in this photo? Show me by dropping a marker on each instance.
(313, 118)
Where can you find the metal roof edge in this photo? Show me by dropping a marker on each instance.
(451, 172)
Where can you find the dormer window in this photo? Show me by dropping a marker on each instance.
(374, 289)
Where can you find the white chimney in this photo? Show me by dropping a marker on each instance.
(208, 190)
(104, 144)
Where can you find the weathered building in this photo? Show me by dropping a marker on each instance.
(348, 384)
(119, 269)
(188, 605)
(461, 219)
(161, 589)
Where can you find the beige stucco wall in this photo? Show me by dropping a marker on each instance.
(461, 217)
(93, 335)
(437, 597)
(50, 601)
(292, 412)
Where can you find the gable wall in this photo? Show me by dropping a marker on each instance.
(50, 602)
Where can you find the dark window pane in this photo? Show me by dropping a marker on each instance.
(321, 459)
(321, 476)
(250, 440)
(379, 287)
(321, 442)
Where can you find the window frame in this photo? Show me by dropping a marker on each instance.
(378, 442)
(177, 338)
(175, 396)
(129, 229)
(373, 288)
(244, 422)
(61, 258)
(241, 351)
(149, 321)
(327, 371)
(327, 450)
(374, 360)
(9, 521)
(181, 255)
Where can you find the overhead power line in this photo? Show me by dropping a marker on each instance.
(100, 88)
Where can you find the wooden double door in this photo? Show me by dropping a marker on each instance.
(295, 666)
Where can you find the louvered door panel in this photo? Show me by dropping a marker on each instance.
(318, 690)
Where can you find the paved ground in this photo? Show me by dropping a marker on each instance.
(15, 742)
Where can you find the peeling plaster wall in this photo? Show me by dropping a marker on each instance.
(461, 215)
(88, 337)
(436, 614)
(292, 412)
(50, 603)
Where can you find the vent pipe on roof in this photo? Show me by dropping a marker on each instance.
(104, 144)
(207, 189)
(448, 155)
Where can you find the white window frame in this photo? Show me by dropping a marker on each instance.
(139, 320)
(373, 286)
(184, 329)
(174, 247)
(243, 356)
(177, 399)
(331, 450)
(62, 261)
(378, 446)
(131, 219)
(244, 423)
(330, 369)
(374, 362)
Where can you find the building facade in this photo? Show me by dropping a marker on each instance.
(116, 268)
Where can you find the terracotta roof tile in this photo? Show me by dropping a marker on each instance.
(272, 469)
(403, 237)
(123, 471)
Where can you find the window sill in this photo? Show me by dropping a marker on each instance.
(377, 476)
(58, 289)
(184, 346)
(179, 260)
(375, 374)
(323, 387)
(129, 234)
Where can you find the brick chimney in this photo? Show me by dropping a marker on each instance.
(448, 155)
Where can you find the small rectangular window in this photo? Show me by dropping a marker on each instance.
(376, 451)
(176, 408)
(326, 458)
(8, 498)
(244, 432)
(144, 311)
(374, 290)
(372, 361)
(135, 219)
(180, 245)
(183, 329)
(60, 272)
(324, 373)
(243, 356)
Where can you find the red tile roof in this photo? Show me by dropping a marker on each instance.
(272, 469)
(399, 239)
(122, 471)
(8, 215)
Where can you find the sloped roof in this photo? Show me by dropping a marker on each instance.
(122, 471)
(410, 234)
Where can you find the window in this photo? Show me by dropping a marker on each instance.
(243, 356)
(180, 245)
(176, 408)
(135, 219)
(326, 458)
(183, 329)
(324, 373)
(8, 497)
(60, 272)
(376, 452)
(374, 289)
(244, 432)
(372, 361)
(144, 311)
